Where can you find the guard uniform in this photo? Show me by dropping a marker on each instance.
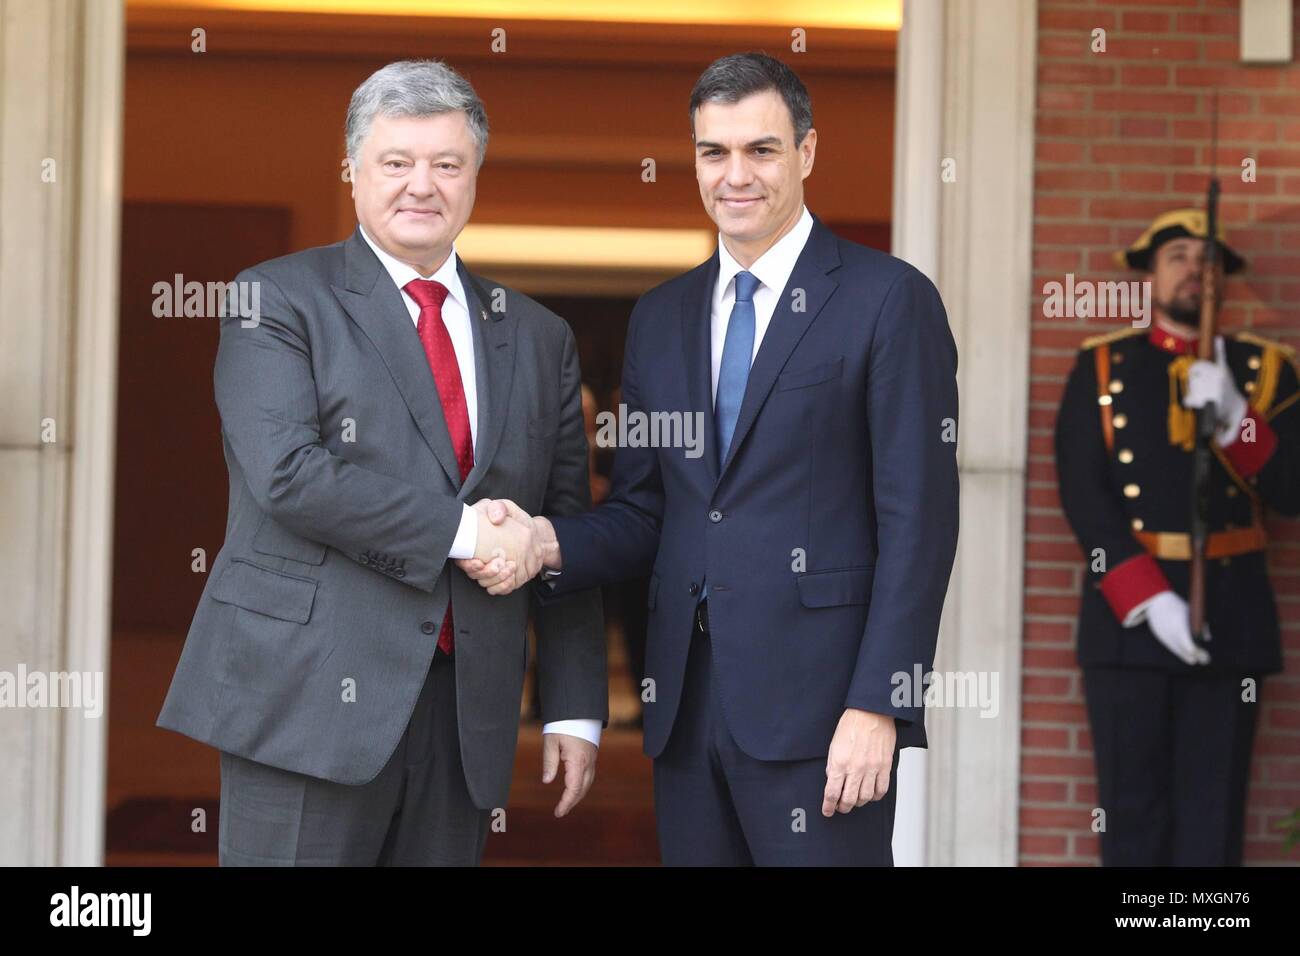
(1173, 740)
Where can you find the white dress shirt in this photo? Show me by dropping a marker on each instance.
(455, 316)
(772, 269)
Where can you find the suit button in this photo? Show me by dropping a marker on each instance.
(363, 561)
(427, 627)
(694, 589)
(715, 516)
(401, 572)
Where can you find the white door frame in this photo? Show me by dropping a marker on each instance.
(965, 98)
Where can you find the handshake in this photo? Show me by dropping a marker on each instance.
(513, 547)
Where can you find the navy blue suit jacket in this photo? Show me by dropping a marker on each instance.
(827, 536)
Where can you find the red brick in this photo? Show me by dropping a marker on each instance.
(1043, 791)
(1153, 48)
(1084, 21)
(1144, 127)
(1135, 74)
(1225, 23)
(1144, 154)
(1135, 181)
(1154, 102)
(1071, 179)
(1058, 206)
(1055, 151)
(1075, 124)
(1145, 21)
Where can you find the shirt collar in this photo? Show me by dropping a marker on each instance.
(402, 273)
(1167, 342)
(772, 268)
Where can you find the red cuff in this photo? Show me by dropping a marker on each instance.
(1248, 457)
(1131, 582)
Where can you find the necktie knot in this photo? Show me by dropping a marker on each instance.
(427, 292)
(746, 283)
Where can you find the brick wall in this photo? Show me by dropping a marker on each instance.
(1120, 137)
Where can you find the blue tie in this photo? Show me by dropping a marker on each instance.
(737, 351)
(733, 373)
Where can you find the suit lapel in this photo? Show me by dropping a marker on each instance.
(697, 309)
(376, 305)
(494, 366)
(787, 327)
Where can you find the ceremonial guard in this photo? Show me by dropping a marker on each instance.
(1173, 711)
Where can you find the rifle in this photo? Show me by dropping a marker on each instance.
(1207, 416)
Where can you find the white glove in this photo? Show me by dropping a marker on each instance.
(1213, 382)
(1170, 622)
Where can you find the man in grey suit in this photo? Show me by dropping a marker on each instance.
(364, 694)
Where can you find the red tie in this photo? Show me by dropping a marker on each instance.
(430, 295)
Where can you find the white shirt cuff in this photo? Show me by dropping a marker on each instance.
(586, 728)
(466, 536)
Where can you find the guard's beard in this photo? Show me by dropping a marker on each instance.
(1183, 310)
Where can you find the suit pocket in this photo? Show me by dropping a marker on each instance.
(275, 540)
(285, 597)
(815, 375)
(834, 588)
(545, 426)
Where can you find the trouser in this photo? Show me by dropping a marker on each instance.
(717, 806)
(1173, 764)
(416, 812)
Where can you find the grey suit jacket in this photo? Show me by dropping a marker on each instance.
(320, 616)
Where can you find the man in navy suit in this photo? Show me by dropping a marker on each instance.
(798, 566)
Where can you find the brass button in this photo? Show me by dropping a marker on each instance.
(1126, 455)
(1137, 524)
(1117, 357)
(1132, 491)
(1103, 399)
(1232, 491)
(1116, 386)
(1253, 361)
(1250, 386)
(1120, 420)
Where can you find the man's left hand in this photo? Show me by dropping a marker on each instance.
(1213, 382)
(579, 759)
(857, 768)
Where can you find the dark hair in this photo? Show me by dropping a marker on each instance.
(732, 78)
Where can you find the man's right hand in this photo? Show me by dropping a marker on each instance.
(490, 574)
(1170, 622)
(505, 533)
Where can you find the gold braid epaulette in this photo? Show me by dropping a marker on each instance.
(1270, 368)
(1095, 340)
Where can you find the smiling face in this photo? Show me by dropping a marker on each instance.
(1176, 279)
(413, 185)
(750, 171)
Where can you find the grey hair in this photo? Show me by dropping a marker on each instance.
(414, 88)
(732, 78)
